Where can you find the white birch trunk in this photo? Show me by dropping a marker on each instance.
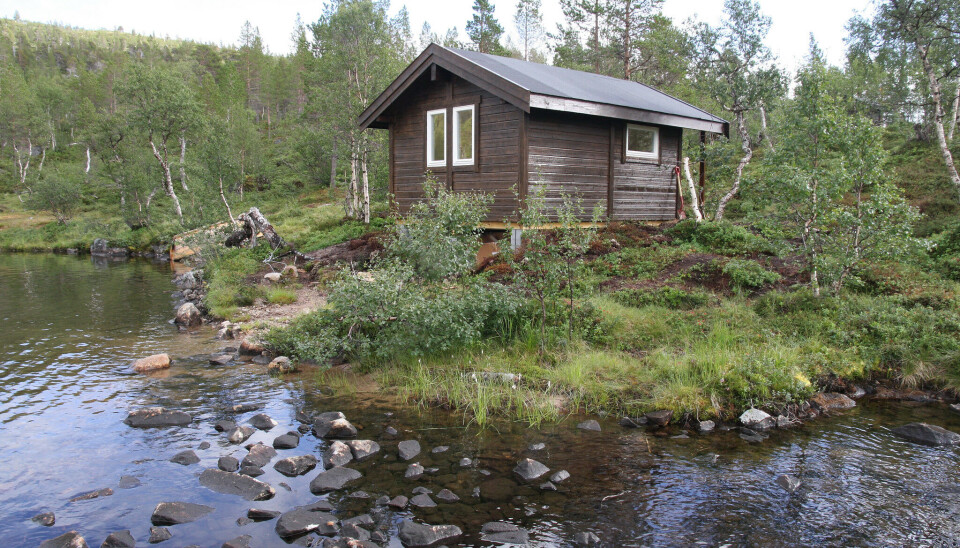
(87, 169)
(763, 124)
(224, 198)
(956, 113)
(694, 199)
(183, 163)
(167, 179)
(333, 165)
(938, 116)
(747, 155)
(366, 188)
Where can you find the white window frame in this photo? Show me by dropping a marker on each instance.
(442, 161)
(456, 136)
(642, 155)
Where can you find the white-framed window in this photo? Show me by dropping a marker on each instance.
(437, 137)
(464, 147)
(643, 142)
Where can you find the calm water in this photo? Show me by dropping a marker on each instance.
(70, 325)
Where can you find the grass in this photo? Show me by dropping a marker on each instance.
(280, 295)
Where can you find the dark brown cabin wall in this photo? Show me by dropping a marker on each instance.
(497, 149)
(646, 190)
(568, 153)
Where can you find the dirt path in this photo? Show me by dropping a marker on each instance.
(267, 315)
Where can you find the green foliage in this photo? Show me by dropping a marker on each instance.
(748, 274)
(57, 193)
(226, 281)
(314, 337)
(666, 297)
(280, 295)
(721, 237)
(483, 29)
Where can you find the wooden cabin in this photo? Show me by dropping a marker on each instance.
(480, 122)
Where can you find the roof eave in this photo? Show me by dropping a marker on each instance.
(563, 104)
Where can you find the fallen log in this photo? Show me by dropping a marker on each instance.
(253, 223)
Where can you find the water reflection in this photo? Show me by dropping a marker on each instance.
(70, 325)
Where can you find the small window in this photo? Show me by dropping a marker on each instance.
(463, 147)
(643, 142)
(436, 138)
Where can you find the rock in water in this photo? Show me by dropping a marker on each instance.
(156, 417)
(832, 400)
(159, 534)
(560, 476)
(927, 434)
(185, 458)
(188, 314)
(633, 422)
(262, 421)
(586, 539)
(151, 363)
(239, 434)
(590, 425)
(504, 532)
(296, 466)
(334, 426)
(224, 425)
(46, 519)
(220, 359)
(66, 540)
(257, 514)
(408, 449)
(286, 441)
(788, 483)
(955, 408)
(228, 464)
(250, 470)
(399, 502)
(659, 418)
(414, 471)
(756, 419)
(90, 495)
(281, 364)
(447, 495)
(120, 539)
(337, 454)
(423, 500)
(416, 534)
(259, 455)
(706, 426)
(304, 519)
(243, 541)
(363, 449)
(173, 513)
(529, 469)
(333, 479)
(128, 482)
(235, 484)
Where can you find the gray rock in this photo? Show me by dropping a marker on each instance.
(353, 531)
(71, 539)
(46, 519)
(706, 426)
(259, 455)
(95, 494)
(421, 490)
(157, 417)
(119, 539)
(633, 422)
(359, 495)
(173, 513)
(560, 476)
(440, 449)
(258, 514)
(529, 469)
(447, 495)
(390, 432)
(363, 449)
(159, 534)
(290, 440)
(363, 520)
(251, 471)
(586, 539)
(590, 425)
(261, 360)
(414, 471)
(188, 315)
(296, 466)
(236, 484)
(826, 401)
(224, 425)
(305, 519)
(423, 500)
(281, 365)
(337, 454)
(228, 464)
(128, 482)
(536, 447)
(548, 486)
(204, 445)
(504, 532)
(245, 407)
(788, 483)
(262, 421)
(927, 434)
(955, 407)
(243, 541)
(333, 479)
(240, 434)
(333, 426)
(659, 418)
(416, 534)
(408, 449)
(465, 462)
(220, 359)
(756, 419)
(185, 458)
(399, 502)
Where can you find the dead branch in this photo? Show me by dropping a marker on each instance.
(253, 223)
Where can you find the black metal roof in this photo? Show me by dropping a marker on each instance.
(584, 86)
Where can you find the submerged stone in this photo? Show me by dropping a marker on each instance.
(185, 458)
(417, 535)
(363, 449)
(236, 484)
(305, 519)
(333, 479)
(71, 539)
(46, 519)
(157, 417)
(529, 469)
(536, 447)
(927, 434)
(296, 466)
(590, 425)
(440, 449)
(504, 532)
(174, 513)
(90, 495)
(408, 449)
(788, 483)
(586, 539)
(243, 541)
(633, 422)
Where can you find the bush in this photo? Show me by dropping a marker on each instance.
(747, 274)
(667, 297)
(58, 194)
(279, 295)
(314, 337)
(226, 280)
(721, 237)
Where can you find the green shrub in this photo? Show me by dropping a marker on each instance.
(747, 274)
(315, 337)
(721, 237)
(226, 276)
(279, 295)
(667, 297)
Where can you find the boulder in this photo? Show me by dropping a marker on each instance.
(259, 455)
(128, 482)
(159, 534)
(447, 495)
(296, 466)
(119, 539)
(156, 417)
(334, 426)
(240, 434)
(46, 519)
(756, 419)
(224, 425)
(927, 434)
(399, 502)
(504, 533)
(250, 348)
(633, 422)
(560, 476)
(220, 359)
(271, 277)
(788, 483)
(173, 513)
(286, 441)
(66, 540)
(363, 449)
(305, 519)
(185, 458)
(416, 534)
(236, 484)
(659, 418)
(423, 500)
(337, 454)
(281, 364)
(151, 363)
(228, 464)
(529, 469)
(262, 421)
(706, 426)
(408, 449)
(250, 470)
(826, 401)
(414, 471)
(590, 425)
(243, 541)
(333, 479)
(188, 314)
(258, 514)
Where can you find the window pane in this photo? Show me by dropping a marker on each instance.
(439, 139)
(640, 140)
(465, 135)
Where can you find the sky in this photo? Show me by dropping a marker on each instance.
(219, 22)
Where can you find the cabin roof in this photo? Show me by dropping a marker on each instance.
(534, 85)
